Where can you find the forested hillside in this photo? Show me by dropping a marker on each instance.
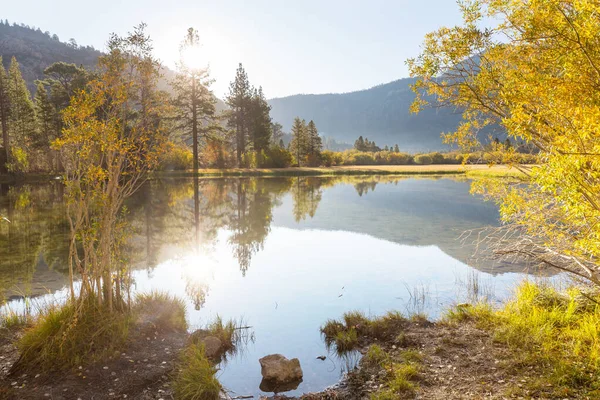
(380, 113)
(36, 50)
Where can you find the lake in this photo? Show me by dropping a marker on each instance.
(283, 254)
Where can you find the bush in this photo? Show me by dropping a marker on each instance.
(423, 159)
(277, 157)
(176, 158)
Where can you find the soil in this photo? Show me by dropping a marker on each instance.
(141, 372)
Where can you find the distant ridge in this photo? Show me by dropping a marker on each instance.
(380, 113)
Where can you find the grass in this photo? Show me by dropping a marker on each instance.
(162, 311)
(556, 333)
(347, 333)
(438, 169)
(195, 379)
(401, 377)
(70, 335)
(67, 336)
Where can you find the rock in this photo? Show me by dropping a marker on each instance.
(279, 373)
(213, 347)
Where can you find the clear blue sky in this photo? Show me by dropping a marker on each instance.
(287, 46)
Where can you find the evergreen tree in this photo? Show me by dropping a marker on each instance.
(396, 149)
(276, 133)
(386, 148)
(359, 144)
(260, 121)
(298, 145)
(194, 101)
(4, 117)
(22, 113)
(239, 99)
(315, 144)
(45, 123)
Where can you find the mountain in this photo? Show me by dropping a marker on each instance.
(380, 113)
(36, 50)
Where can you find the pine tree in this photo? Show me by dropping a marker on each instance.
(194, 101)
(315, 144)
(386, 148)
(4, 117)
(22, 113)
(396, 149)
(45, 122)
(260, 121)
(359, 144)
(298, 145)
(238, 99)
(276, 133)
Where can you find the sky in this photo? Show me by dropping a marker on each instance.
(286, 46)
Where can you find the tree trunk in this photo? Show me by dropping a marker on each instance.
(194, 126)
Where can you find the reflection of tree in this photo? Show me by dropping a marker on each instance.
(306, 193)
(364, 187)
(197, 293)
(36, 239)
(250, 222)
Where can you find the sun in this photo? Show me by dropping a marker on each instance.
(193, 58)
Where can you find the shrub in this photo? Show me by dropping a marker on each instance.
(423, 159)
(176, 158)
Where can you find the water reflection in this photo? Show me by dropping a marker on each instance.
(172, 217)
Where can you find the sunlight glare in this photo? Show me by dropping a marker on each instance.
(193, 58)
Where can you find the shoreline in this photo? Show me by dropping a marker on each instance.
(474, 170)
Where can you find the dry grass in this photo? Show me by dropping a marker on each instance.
(437, 169)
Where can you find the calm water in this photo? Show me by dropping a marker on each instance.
(284, 254)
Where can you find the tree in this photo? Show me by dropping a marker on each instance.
(259, 122)
(22, 117)
(113, 134)
(396, 149)
(536, 74)
(238, 99)
(4, 116)
(194, 101)
(359, 144)
(276, 133)
(298, 145)
(46, 118)
(314, 144)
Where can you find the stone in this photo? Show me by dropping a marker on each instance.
(279, 373)
(213, 346)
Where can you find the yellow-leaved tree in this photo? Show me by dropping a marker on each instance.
(112, 138)
(536, 73)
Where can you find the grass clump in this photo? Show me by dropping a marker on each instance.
(401, 383)
(73, 334)
(331, 329)
(13, 321)
(195, 379)
(375, 356)
(225, 331)
(358, 321)
(387, 326)
(356, 326)
(346, 340)
(160, 311)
